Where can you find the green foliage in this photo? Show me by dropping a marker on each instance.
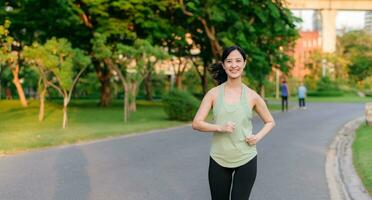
(86, 122)
(192, 82)
(88, 87)
(356, 46)
(264, 29)
(180, 105)
(361, 67)
(40, 20)
(326, 84)
(142, 53)
(160, 86)
(59, 58)
(325, 94)
(6, 42)
(362, 150)
(326, 87)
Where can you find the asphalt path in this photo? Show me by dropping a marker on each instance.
(173, 164)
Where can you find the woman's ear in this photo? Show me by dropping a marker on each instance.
(223, 66)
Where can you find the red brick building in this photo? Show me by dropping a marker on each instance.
(305, 45)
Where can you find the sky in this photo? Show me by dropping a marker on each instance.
(344, 19)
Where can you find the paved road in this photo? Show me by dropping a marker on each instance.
(173, 164)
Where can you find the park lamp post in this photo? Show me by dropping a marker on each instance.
(368, 110)
(277, 76)
(324, 67)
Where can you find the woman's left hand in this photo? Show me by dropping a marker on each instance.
(252, 139)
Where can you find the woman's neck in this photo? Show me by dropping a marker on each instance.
(234, 83)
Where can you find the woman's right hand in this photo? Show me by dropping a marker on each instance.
(229, 127)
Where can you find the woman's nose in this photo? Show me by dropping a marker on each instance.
(235, 65)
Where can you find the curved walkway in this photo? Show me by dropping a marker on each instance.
(172, 164)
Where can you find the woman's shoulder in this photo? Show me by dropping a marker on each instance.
(252, 93)
(213, 91)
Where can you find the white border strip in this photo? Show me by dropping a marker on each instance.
(343, 181)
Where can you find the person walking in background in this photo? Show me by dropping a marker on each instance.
(233, 155)
(301, 96)
(284, 95)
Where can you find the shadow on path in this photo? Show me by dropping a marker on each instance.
(72, 179)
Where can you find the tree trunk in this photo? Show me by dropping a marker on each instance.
(262, 90)
(215, 46)
(148, 86)
(1, 74)
(132, 96)
(204, 80)
(178, 81)
(209, 31)
(104, 76)
(41, 109)
(65, 103)
(125, 84)
(126, 105)
(17, 83)
(105, 93)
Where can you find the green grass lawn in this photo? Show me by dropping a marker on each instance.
(362, 151)
(20, 129)
(342, 99)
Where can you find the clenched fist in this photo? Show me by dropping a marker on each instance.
(252, 139)
(229, 127)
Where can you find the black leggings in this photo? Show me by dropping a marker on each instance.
(242, 179)
(301, 102)
(284, 103)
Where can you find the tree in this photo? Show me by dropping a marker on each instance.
(64, 64)
(361, 67)
(357, 48)
(39, 20)
(147, 57)
(39, 57)
(121, 21)
(9, 55)
(265, 29)
(130, 63)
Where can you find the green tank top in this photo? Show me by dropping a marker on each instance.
(231, 149)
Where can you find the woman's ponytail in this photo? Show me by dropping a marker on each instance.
(218, 73)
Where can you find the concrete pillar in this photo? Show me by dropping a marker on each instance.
(369, 113)
(277, 83)
(328, 30)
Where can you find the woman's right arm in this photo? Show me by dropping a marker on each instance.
(199, 122)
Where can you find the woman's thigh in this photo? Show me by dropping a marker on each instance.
(244, 178)
(219, 180)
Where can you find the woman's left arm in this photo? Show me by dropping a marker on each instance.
(267, 118)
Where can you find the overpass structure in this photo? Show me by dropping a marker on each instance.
(328, 10)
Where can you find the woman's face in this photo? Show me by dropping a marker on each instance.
(234, 64)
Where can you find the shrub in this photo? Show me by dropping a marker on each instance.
(326, 88)
(326, 84)
(325, 94)
(368, 93)
(180, 105)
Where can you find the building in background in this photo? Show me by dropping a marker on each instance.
(308, 43)
(317, 21)
(368, 21)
